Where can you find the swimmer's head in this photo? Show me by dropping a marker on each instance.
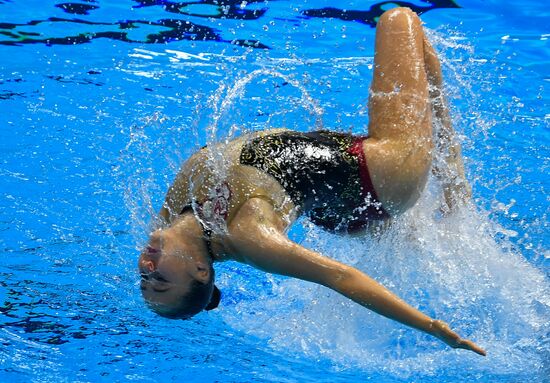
(177, 277)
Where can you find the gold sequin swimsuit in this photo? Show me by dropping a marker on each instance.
(324, 173)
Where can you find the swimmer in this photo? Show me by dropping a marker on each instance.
(343, 183)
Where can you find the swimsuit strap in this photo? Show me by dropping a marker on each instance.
(206, 232)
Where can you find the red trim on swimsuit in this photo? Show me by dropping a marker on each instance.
(374, 208)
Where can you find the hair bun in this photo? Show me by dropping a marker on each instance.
(215, 299)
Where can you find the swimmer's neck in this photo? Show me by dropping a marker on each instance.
(189, 230)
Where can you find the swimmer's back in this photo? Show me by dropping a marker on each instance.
(215, 182)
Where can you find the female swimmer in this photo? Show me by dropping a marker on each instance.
(344, 184)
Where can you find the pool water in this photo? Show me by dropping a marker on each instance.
(101, 101)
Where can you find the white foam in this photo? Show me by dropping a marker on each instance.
(452, 268)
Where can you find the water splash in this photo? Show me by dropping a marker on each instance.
(144, 189)
(222, 105)
(159, 140)
(462, 269)
(224, 124)
(451, 268)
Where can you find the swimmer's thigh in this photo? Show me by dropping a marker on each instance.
(398, 150)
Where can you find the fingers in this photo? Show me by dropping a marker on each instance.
(469, 345)
(444, 332)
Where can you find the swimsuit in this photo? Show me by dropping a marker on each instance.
(324, 173)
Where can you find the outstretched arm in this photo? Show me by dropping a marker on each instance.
(257, 236)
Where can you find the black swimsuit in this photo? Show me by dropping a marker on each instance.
(325, 174)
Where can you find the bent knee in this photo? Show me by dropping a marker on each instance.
(399, 19)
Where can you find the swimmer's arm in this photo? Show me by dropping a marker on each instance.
(257, 235)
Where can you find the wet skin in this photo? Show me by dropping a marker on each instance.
(398, 151)
(169, 264)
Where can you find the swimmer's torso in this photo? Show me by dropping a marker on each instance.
(321, 172)
(316, 173)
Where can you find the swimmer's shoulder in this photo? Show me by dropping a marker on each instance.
(231, 151)
(247, 137)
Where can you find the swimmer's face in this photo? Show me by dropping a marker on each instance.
(173, 282)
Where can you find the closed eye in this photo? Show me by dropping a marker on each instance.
(160, 290)
(143, 286)
(159, 278)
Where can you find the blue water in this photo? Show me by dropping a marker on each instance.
(99, 104)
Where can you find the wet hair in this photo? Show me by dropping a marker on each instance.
(215, 299)
(192, 303)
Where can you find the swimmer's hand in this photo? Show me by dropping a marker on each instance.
(442, 331)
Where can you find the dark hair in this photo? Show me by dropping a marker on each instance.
(193, 302)
(215, 299)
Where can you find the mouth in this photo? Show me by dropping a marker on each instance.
(151, 250)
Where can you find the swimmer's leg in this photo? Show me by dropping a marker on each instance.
(451, 173)
(399, 148)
